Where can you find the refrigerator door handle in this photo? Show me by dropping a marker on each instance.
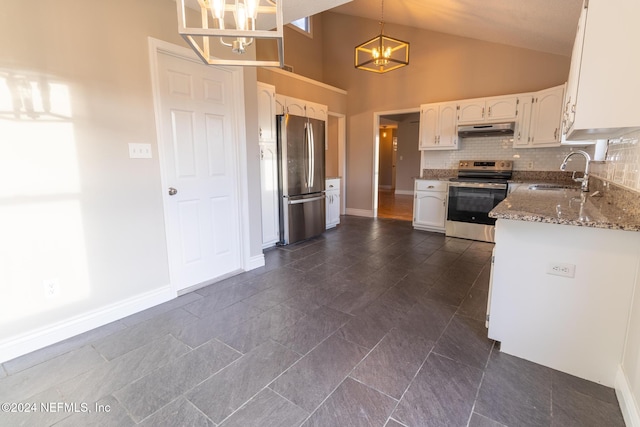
(306, 154)
(309, 199)
(312, 169)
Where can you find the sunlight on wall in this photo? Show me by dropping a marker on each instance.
(43, 262)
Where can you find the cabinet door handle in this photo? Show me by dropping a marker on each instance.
(555, 134)
(260, 132)
(431, 186)
(519, 136)
(489, 111)
(483, 112)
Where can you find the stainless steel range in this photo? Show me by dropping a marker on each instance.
(479, 187)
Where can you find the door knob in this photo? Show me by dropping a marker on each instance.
(172, 191)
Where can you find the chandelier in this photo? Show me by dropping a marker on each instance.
(226, 29)
(382, 53)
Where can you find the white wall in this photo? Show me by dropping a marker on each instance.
(75, 211)
(408, 157)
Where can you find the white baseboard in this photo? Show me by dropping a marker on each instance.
(626, 399)
(255, 262)
(405, 192)
(268, 245)
(360, 212)
(13, 347)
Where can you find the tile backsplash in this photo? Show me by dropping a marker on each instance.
(500, 148)
(622, 165)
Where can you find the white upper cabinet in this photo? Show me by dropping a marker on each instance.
(317, 111)
(438, 126)
(266, 112)
(488, 110)
(502, 108)
(300, 107)
(522, 134)
(470, 112)
(604, 87)
(297, 107)
(539, 118)
(547, 117)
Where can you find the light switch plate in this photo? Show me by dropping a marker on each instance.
(139, 151)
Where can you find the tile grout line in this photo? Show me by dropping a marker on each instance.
(475, 401)
(372, 388)
(435, 343)
(410, 382)
(340, 383)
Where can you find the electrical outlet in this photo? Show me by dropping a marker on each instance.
(530, 165)
(561, 269)
(51, 288)
(139, 151)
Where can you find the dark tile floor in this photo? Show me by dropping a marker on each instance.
(373, 324)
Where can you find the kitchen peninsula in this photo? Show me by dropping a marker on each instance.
(566, 266)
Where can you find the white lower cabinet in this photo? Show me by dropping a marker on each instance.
(430, 205)
(574, 324)
(269, 193)
(332, 202)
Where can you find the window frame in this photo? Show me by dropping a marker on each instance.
(309, 21)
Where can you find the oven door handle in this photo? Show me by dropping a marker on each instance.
(479, 185)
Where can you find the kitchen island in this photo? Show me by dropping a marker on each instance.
(566, 266)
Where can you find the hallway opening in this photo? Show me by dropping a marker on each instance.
(398, 163)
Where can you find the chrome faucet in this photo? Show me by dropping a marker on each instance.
(585, 178)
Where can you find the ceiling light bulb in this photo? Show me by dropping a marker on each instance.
(252, 8)
(217, 10)
(240, 15)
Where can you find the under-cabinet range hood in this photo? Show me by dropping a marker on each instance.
(488, 129)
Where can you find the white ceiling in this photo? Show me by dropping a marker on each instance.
(542, 25)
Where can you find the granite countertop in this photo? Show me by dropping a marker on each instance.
(565, 206)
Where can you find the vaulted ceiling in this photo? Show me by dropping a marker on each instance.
(542, 25)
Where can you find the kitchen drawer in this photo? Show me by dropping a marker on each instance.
(430, 185)
(332, 184)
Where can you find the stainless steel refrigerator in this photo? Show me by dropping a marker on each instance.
(301, 173)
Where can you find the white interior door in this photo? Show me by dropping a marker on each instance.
(199, 161)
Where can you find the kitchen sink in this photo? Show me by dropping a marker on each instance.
(552, 187)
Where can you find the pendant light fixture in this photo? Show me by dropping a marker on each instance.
(227, 28)
(382, 53)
